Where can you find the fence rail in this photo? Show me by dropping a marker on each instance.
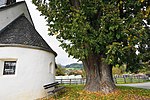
(117, 80)
(72, 81)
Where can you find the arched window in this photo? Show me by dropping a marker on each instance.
(50, 67)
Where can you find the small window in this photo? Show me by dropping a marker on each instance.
(9, 67)
(50, 67)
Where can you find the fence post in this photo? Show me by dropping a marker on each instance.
(70, 81)
(61, 81)
(131, 79)
(115, 79)
(81, 81)
(76, 81)
(139, 79)
(124, 79)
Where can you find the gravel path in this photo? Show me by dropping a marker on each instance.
(145, 85)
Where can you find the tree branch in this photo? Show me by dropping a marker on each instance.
(75, 4)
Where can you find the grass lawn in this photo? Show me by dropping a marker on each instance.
(129, 80)
(75, 92)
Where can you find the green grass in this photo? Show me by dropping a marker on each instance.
(129, 80)
(75, 92)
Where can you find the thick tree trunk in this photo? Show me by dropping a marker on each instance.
(98, 75)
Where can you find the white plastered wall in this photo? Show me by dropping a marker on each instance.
(8, 15)
(1, 68)
(32, 72)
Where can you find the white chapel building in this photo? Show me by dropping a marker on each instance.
(27, 62)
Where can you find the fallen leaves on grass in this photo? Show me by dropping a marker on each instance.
(76, 92)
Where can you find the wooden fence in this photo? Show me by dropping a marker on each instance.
(72, 81)
(130, 79)
(117, 80)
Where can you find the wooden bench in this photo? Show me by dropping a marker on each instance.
(54, 85)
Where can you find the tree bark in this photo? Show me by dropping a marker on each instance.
(98, 75)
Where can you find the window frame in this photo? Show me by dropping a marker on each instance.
(10, 67)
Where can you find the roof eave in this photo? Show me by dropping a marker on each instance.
(28, 46)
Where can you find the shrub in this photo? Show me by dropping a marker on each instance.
(60, 71)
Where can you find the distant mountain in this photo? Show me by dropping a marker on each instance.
(74, 65)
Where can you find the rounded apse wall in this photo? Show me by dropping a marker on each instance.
(33, 69)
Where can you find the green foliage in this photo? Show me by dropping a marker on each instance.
(147, 73)
(60, 71)
(116, 70)
(112, 29)
(119, 70)
(145, 68)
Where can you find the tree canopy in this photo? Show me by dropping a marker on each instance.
(115, 29)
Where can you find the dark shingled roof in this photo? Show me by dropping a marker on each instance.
(22, 33)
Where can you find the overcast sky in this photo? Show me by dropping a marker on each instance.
(40, 25)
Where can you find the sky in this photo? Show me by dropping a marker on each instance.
(40, 25)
